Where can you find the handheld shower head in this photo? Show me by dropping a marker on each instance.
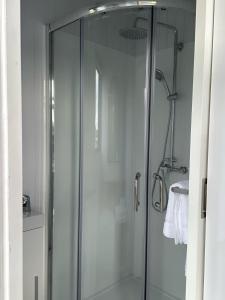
(160, 77)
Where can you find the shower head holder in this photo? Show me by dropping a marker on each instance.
(172, 97)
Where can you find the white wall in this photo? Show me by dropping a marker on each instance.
(33, 106)
(34, 115)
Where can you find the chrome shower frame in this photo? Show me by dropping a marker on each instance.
(117, 5)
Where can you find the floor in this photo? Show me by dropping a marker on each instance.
(130, 289)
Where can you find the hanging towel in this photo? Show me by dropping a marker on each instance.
(176, 220)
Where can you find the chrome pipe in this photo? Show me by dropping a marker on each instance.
(172, 133)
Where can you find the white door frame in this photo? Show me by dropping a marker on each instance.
(10, 152)
(214, 287)
(199, 147)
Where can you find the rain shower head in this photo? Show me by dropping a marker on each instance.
(133, 33)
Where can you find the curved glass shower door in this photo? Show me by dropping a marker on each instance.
(100, 95)
(114, 158)
(115, 116)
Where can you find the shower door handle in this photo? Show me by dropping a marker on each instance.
(159, 205)
(161, 195)
(137, 190)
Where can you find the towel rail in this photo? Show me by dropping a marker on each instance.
(179, 190)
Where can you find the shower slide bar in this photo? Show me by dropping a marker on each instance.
(178, 190)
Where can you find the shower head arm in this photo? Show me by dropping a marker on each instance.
(167, 26)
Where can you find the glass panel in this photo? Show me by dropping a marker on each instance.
(167, 260)
(114, 123)
(66, 96)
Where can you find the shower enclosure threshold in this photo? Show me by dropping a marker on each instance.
(128, 288)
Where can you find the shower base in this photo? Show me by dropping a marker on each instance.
(126, 289)
(130, 289)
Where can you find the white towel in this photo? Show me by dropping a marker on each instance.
(176, 221)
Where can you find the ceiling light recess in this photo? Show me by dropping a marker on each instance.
(146, 2)
(92, 10)
(103, 8)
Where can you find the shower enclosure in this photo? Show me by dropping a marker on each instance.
(121, 85)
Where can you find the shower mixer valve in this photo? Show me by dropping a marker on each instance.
(171, 168)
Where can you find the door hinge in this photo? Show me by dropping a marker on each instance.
(204, 198)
